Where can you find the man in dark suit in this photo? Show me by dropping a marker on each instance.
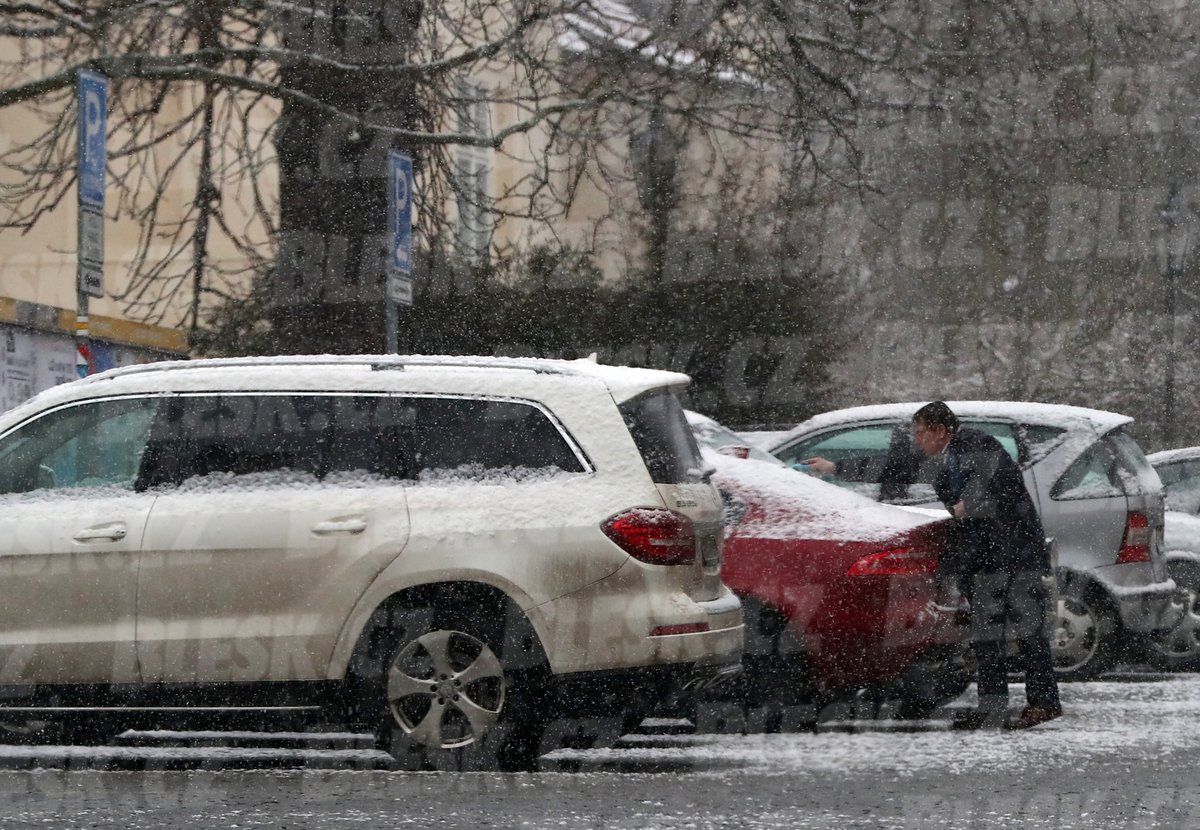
(1000, 554)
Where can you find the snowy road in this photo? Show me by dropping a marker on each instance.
(1123, 756)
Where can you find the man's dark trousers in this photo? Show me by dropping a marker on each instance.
(1011, 604)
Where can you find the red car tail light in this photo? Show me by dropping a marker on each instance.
(897, 562)
(1135, 546)
(653, 535)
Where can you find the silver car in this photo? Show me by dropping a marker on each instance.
(1098, 496)
(1179, 469)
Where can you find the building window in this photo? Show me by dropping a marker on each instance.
(472, 166)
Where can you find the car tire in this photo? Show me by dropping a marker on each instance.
(1083, 632)
(447, 699)
(1178, 648)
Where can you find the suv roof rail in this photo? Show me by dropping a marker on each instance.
(375, 362)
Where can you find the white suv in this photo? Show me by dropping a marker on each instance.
(454, 552)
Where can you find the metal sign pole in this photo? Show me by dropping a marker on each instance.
(91, 163)
(393, 327)
(399, 290)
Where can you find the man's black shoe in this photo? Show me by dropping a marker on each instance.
(1033, 715)
(977, 719)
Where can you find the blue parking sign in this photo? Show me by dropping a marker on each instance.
(93, 131)
(400, 181)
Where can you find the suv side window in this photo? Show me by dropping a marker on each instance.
(206, 435)
(87, 446)
(317, 435)
(485, 435)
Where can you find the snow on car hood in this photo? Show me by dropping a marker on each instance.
(796, 504)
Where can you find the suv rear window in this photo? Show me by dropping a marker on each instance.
(660, 429)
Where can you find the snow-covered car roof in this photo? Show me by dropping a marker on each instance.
(803, 506)
(1177, 454)
(1047, 414)
(340, 372)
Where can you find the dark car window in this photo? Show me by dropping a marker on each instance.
(659, 427)
(318, 435)
(204, 435)
(1172, 473)
(1001, 431)
(88, 446)
(1040, 440)
(879, 454)
(1093, 475)
(1182, 481)
(456, 433)
(1135, 471)
(855, 442)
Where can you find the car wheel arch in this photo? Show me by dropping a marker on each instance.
(359, 645)
(390, 589)
(1085, 587)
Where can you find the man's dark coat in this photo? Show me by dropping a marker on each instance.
(1001, 530)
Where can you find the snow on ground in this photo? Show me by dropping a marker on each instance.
(1121, 757)
(1140, 722)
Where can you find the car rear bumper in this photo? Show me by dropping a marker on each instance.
(628, 623)
(1145, 604)
(869, 630)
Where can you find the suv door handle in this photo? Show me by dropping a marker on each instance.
(339, 526)
(103, 533)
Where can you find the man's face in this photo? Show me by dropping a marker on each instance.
(930, 439)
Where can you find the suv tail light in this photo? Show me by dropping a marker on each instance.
(653, 535)
(1135, 546)
(897, 562)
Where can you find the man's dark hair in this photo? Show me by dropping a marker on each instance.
(937, 414)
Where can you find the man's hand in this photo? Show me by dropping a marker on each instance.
(823, 466)
(959, 510)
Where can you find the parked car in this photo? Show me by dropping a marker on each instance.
(447, 551)
(1179, 470)
(1098, 496)
(837, 590)
(1179, 647)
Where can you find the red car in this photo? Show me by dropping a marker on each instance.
(838, 590)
